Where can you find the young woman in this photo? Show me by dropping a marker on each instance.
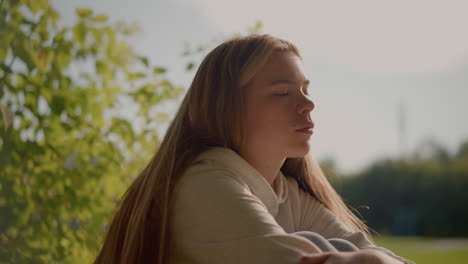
(233, 180)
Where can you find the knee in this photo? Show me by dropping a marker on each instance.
(343, 245)
(317, 240)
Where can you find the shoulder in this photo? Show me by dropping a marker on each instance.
(203, 177)
(213, 167)
(214, 174)
(222, 164)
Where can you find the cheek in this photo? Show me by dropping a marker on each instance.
(269, 117)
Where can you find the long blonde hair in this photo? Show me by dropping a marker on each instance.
(210, 115)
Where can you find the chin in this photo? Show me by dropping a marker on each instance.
(299, 151)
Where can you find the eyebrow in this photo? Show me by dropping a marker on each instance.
(283, 81)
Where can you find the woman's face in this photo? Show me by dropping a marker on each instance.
(277, 107)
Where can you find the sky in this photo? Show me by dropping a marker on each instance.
(385, 75)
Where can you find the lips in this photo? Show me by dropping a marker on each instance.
(306, 126)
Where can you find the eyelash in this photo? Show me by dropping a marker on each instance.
(286, 94)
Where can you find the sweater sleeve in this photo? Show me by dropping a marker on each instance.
(317, 218)
(217, 219)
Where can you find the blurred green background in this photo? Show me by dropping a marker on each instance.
(67, 153)
(427, 250)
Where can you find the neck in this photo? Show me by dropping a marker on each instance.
(267, 165)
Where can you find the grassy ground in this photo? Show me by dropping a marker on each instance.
(424, 250)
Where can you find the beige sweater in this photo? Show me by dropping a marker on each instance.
(226, 212)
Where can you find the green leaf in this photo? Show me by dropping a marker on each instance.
(100, 18)
(189, 66)
(36, 5)
(53, 16)
(97, 35)
(7, 116)
(159, 70)
(62, 59)
(79, 32)
(101, 67)
(6, 37)
(57, 104)
(255, 29)
(43, 59)
(84, 13)
(144, 60)
(5, 68)
(21, 49)
(135, 76)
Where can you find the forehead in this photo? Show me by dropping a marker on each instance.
(281, 65)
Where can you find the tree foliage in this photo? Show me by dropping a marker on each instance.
(66, 151)
(426, 195)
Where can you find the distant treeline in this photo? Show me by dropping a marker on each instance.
(423, 195)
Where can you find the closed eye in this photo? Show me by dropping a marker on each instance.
(281, 94)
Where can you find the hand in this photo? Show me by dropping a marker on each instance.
(335, 258)
(315, 258)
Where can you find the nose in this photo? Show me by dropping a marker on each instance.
(305, 106)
